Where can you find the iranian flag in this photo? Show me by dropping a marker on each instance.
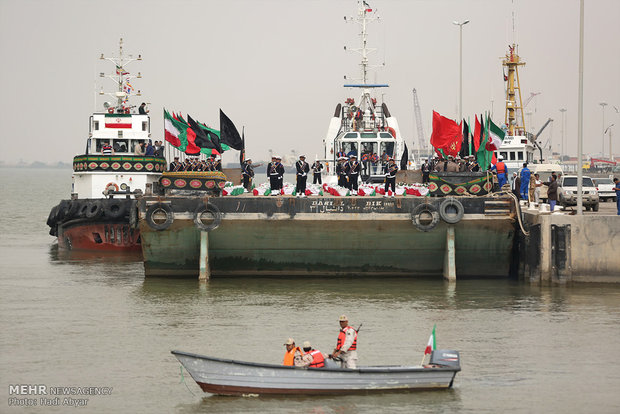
(118, 121)
(431, 346)
(496, 137)
(172, 131)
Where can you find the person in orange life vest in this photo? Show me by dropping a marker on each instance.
(313, 358)
(500, 167)
(346, 347)
(293, 353)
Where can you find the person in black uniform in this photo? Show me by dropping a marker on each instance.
(426, 171)
(175, 165)
(302, 176)
(353, 173)
(273, 175)
(210, 164)
(217, 164)
(248, 175)
(390, 176)
(280, 169)
(341, 173)
(317, 167)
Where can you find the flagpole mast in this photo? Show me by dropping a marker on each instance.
(460, 25)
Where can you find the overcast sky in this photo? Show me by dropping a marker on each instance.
(277, 66)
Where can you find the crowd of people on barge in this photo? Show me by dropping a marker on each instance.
(196, 164)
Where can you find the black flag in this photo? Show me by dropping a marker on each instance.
(204, 137)
(228, 133)
(404, 159)
(242, 152)
(465, 146)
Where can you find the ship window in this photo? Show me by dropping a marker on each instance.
(97, 238)
(351, 135)
(120, 145)
(369, 135)
(368, 149)
(512, 156)
(120, 134)
(504, 154)
(385, 135)
(520, 155)
(96, 125)
(349, 148)
(144, 125)
(387, 149)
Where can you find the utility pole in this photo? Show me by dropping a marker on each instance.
(563, 110)
(603, 105)
(460, 25)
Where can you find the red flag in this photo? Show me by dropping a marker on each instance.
(477, 134)
(447, 135)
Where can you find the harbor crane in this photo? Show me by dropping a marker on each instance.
(534, 138)
(418, 118)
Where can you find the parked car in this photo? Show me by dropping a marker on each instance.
(604, 187)
(567, 192)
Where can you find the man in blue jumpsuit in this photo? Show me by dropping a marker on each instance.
(617, 190)
(525, 182)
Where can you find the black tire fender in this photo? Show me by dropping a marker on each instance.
(72, 210)
(115, 208)
(215, 212)
(156, 208)
(94, 209)
(422, 210)
(83, 209)
(61, 211)
(451, 210)
(51, 219)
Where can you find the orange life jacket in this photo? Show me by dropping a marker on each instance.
(289, 356)
(341, 337)
(318, 361)
(501, 167)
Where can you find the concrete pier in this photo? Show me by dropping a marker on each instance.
(563, 248)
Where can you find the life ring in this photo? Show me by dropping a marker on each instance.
(94, 209)
(115, 209)
(213, 210)
(425, 217)
(392, 131)
(109, 186)
(159, 208)
(451, 210)
(110, 110)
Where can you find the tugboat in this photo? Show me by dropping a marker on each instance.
(109, 175)
(364, 128)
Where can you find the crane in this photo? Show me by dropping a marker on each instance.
(532, 95)
(418, 118)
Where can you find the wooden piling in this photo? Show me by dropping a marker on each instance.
(205, 270)
(449, 262)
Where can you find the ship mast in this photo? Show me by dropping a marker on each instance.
(514, 119)
(121, 76)
(365, 15)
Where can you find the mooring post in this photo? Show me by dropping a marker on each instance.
(205, 271)
(449, 261)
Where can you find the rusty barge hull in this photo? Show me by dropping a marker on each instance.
(328, 236)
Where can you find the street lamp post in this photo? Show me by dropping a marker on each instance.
(563, 110)
(611, 156)
(603, 105)
(460, 25)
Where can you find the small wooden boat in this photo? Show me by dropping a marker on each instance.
(229, 377)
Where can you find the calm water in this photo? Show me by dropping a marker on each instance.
(68, 320)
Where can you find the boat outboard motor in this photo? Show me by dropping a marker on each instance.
(446, 358)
